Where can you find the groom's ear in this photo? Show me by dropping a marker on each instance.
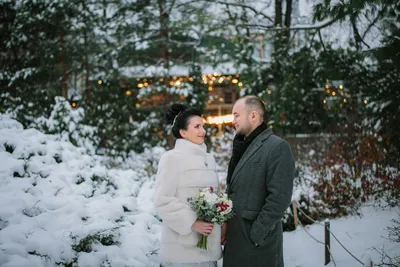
(254, 115)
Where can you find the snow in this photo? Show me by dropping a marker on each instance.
(305, 7)
(359, 235)
(48, 206)
(60, 206)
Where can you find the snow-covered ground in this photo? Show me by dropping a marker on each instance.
(364, 237)
(60, 206)
(360, 235)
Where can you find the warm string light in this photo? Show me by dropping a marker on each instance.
(219, 119)
(335, 92)
(210, 79)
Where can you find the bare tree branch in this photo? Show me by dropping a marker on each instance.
(320, 39)
(312, 39)
(230, 4)
(374, 21)
(356, 34)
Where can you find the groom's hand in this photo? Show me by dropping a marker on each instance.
(224, 228)
(203, 227)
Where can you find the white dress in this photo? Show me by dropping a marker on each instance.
(200, 264)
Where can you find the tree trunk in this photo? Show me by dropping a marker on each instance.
(63, 67)
(163, 30)
(289, 7)
(87, 85)
(164, 56)
(278, 12)
(288, 15)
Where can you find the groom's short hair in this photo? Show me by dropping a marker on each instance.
(255, 104)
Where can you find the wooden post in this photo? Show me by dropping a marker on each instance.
(295, 216)
(327, 242)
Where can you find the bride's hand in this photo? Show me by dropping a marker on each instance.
(202, 227)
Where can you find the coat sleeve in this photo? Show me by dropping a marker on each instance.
(279, 185)
(175, 214)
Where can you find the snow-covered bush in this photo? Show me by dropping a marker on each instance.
(67, 123)
(63, 207)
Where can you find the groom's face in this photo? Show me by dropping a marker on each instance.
(241, 118)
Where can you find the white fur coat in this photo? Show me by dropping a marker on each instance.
(182, 171)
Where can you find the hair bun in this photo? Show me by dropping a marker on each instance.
(172, 111)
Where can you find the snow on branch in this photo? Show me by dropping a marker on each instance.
(294, 28)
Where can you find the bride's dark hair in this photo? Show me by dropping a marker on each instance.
(178, 115)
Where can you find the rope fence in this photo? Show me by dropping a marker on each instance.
(331, 256)
(328, 232)
(305, 230)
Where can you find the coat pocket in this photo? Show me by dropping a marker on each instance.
(250, 214)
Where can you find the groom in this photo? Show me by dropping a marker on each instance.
(260, 183)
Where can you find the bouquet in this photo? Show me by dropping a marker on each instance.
(214, 207)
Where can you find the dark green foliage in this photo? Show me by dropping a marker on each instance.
(126, 209)
(9, 148)
(109, 112)
(73, 263)
(120, 219)
(3, 224)
(57, 158)
(27, 156)
(16, 174)
(381, 88)
(96, 178)
(104, 238)
(47, 54)
(47, 257)
(80, 179)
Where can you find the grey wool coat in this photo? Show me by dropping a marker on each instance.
(261, 189)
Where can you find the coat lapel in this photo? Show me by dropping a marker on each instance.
(254, 146)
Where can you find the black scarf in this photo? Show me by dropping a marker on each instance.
(240, 144)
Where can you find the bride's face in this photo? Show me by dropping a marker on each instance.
(195, 132)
